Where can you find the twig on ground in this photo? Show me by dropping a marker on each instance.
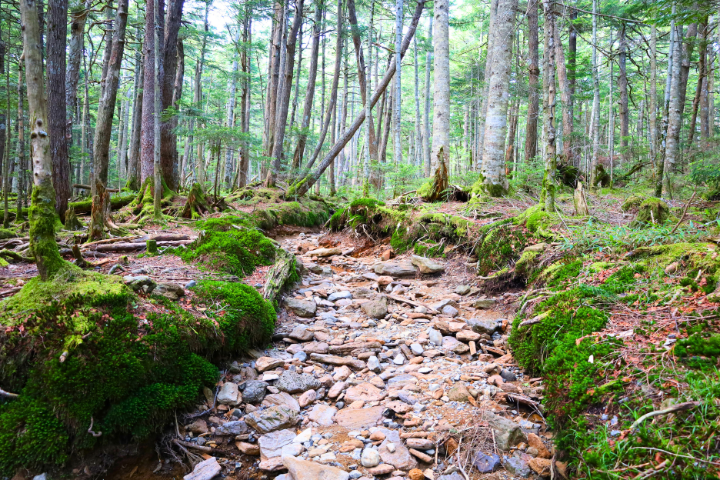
(682, 217)
(675, 408)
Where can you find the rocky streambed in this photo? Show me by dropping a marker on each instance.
(387, 368)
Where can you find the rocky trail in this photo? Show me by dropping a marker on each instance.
(380, 368)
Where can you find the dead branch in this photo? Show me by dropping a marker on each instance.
(90, 430)
(3, 393)
(682, 217)
(193, 445)
(675, 408)
(410, 302)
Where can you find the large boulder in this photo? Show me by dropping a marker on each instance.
(402, 268)
(427, 265)
(301, 308)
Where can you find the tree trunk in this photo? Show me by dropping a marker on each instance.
(284, 91)
(566, 97)
(533, 109)
(20, 147)
(705, 94)
(296, 93)
(333, 94)
(106, 109)
(273, 77)
(701, 80)
(168, 138)
(441, 88)
(493, 160)
(674, 118)
(652, 107)
(623, 102)
(426, 135)
(197, 97)
(547, 197)
(57, 112)
(133, 174)
(157, 109)
(230, 116)
(488, 68)
(42, 211)
(147, 142)
(418, 119)
(303, 185)
(596, 100)
(397, 146)
(360, 61)
(78, 17)
(310, 90)
(245, 99)
(687, 50)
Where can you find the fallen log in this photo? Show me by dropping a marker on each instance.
(162, 237)
(85, 206)
(87, 187)
(133, 247)
(279, 274)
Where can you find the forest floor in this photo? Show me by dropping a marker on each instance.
(382, 371)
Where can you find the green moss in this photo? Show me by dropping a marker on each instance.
(526, 263)
(42, 231)
(500, 248)
(338, 220)
(632, 203)
(366, 202)
(248, 319)
(622, 280)
(431, 250)
(234, 251)
(705, 344)
(399, 241)
(565, 271)
(652, 211)
(426, 189)
(7, 233)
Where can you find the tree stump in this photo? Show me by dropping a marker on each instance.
(151, 247)
(580, 201)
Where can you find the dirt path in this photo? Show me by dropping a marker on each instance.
(377, 371)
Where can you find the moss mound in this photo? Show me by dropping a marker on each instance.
(652, 211)
(227, 245)
(76, 353)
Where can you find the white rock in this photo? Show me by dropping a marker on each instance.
(303, 436)
(399, 359)
(370, 458)
(374, 364)
(416, 348)
(204, 470)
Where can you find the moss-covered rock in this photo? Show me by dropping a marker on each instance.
(652, 211)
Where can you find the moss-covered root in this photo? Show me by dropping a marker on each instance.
(196, 205)
(42, 231)
(652, 211)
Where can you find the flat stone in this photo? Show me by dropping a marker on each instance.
(427, 265)
(198, 427)
(272, 443)
(462, 289)
(416, 348)
(541, 466)
(172, 291)
(322, 415)
(375, 308)
(306, 470)
(488, 327)
(339, 361)
(402, 268)
(324, 252)
(516, 466)
(381, 470)
(373, 364)
(364, 392)
(253, 391)
(458, 393)
(307, 398)
(248, 448)
(263, 364)
(336, 390)
(301, 334)
(400, 381)
(359, 419)
(450, 311)
(400, 458)
(507, 433)
(282, 399)
(451, 476)
(293, 382)
(450, 343)
(140, 282)
(205, 470)
(467, 336)
(274, 464)
(301, 308)
(229, 394)
(485, 303)
(535, 442)
(236, 427)
(315, 347)
(345, 294)
(486, 463)
(271, 419)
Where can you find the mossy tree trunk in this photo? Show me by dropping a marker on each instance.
(42, 209)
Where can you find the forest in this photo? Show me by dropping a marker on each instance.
(359, 239)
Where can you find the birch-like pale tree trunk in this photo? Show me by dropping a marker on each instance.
(418, 120)
(596, 100)
(488, 68)
(133, 173)
(623, 100)
(652, 107)
(674, 118)
(495, 181)
(42, 210)
(441, 87)
(397, 146)
(547, 196)
(78, 18)
(426, 122)
(566, 97)
(230, 114)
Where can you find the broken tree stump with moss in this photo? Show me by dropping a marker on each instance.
(283, 272)
(152, 248)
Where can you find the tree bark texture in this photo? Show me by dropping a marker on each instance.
(147, 139)
(674, 118)
(547, 198)
(168, 138)
(426, 126)
(533, 108)
(493, 160)
(441, 87)
(57, 111)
